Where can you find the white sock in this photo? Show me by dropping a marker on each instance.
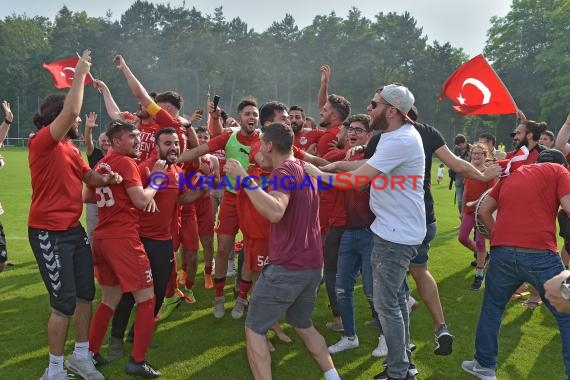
(81, 350)
(332, 374)
(55, 365)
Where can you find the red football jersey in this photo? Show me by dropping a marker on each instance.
(158, 225)
(118, 217)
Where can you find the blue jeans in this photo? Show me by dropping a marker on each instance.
(508, 269)
(353, 257)
(390, 263)
(423, 250)
(459, 196)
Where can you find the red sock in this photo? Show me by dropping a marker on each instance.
(244, 287)
(99, 324)
(219, 285)
(144, 325)
(172, 284)
(189, 284)
(184, 268)
(208, 269)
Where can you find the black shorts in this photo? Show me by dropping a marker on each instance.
(3, 250)
(66, 266)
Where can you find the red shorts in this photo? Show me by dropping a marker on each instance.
(256, 253)
(205, 216)
(122, 262)
(228, 217)
(189, 228)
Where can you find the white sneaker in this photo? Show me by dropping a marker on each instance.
(344, 344)
(84, 368)
(382, 349)
(219, 308)
(231, 268)
(474, 368)
(239, 308)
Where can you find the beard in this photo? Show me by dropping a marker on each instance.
(380, 122)
(296, 128)
(524, 142)
(73, 133)
(166, 157)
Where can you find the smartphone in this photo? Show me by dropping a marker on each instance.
(216, 101)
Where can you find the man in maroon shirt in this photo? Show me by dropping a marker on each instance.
(289, 282)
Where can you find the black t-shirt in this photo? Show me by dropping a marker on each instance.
(432, 140)
(95, 157)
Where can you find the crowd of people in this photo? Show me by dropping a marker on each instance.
(309, 208)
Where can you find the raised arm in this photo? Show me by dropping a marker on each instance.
(136, 87)
(324, 89)
(215, 125)
(90, 120)
(5, 126)
(110, 105)
(563, 136)
(73, 101)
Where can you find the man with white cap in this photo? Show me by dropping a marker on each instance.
(399, 227)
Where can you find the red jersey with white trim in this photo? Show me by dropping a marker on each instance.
(118, 217)
(57, 170)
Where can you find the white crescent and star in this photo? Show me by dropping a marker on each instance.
(63, 74)
(480, 86)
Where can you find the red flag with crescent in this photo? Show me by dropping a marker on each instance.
(476, 89)
(63, 72)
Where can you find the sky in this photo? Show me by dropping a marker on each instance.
(463, 23)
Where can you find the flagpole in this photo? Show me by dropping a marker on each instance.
(207, 109)
(88, 73)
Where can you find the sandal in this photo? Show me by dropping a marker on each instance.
(531, 304)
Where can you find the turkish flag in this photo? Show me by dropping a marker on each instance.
(476, 89)
(63, 71)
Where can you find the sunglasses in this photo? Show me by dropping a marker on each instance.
(374, 104)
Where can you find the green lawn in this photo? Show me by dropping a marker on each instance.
(194, 345)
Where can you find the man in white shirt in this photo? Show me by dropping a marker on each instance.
(395, 173)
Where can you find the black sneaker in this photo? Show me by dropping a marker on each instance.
(474, 263)
(384, 376)
(477, 282)
(443, 341)
(142, 369)
(100, 361)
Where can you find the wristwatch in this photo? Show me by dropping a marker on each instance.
(565, 289)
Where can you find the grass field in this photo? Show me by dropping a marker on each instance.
(194, 345)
